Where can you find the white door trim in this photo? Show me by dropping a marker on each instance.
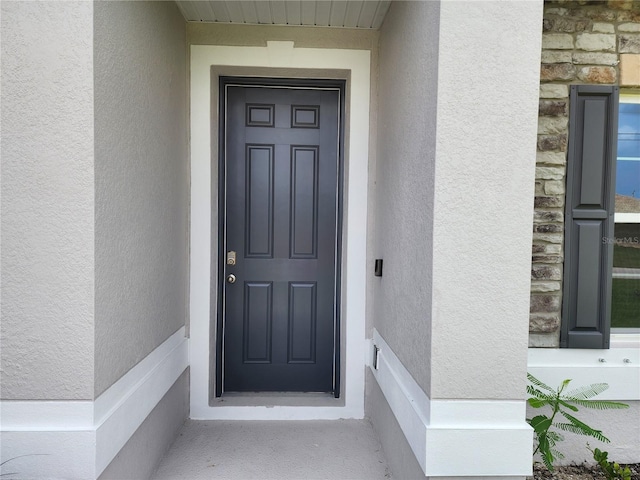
(279, 55)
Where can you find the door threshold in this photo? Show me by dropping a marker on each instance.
(280, 399)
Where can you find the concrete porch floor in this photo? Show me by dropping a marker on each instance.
(261, 450)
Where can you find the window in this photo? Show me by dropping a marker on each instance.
(625, 296)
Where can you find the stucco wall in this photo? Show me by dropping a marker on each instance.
(141, 182)
(47, 200)
(404, 176)
(484, 168)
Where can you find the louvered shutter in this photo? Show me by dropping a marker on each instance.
(589, 216)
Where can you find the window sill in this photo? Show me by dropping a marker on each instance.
(619, 367)
(624, 340)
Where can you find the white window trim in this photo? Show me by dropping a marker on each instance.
(626, 218)
(618, 366)
(629, 96)
(624, 338)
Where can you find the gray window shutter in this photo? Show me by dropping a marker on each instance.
(589, 216)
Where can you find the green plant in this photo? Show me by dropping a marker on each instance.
(612, 470)
(546, 427)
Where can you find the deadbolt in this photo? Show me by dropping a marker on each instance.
(231, 278)
(231, 258)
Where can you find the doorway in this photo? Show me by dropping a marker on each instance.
(280, 210)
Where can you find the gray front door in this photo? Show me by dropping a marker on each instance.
(279, 269)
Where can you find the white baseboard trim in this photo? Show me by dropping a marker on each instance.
(455, 438)
(120, 410)
(45, 416)
(78, 439)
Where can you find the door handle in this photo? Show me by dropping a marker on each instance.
(231, 278)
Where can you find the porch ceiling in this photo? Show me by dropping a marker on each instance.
(321, 13)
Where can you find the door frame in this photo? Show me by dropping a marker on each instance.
(276, 59)
(307, 83)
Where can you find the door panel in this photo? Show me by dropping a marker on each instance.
(304, 202)
(280, 182)
(302, 322)
(257, 321)
(259, 202)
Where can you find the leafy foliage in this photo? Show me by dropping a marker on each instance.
(561, 403)
(612, 470)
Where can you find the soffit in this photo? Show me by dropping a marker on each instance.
(321, 13)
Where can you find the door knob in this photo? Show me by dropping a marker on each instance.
(231, 278)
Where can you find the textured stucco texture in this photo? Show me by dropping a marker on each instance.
(141, 182)
(485, 171)
(404, 182)
(47, 214)
(453, 189)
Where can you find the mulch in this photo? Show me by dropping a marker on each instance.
(577, 472)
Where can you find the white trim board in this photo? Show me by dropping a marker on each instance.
(78, 439)
(278, 55)
(455, 438)
(627, 218)
(618, 367)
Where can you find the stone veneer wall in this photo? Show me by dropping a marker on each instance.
(594, 42)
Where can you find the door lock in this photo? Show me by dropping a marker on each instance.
(231, 257)
(231, 278)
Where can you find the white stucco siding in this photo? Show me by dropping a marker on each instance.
(142, 182)
(404, 182)
(488, 79)
(47, 155)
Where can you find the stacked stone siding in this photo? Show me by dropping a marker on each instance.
(583, 42)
